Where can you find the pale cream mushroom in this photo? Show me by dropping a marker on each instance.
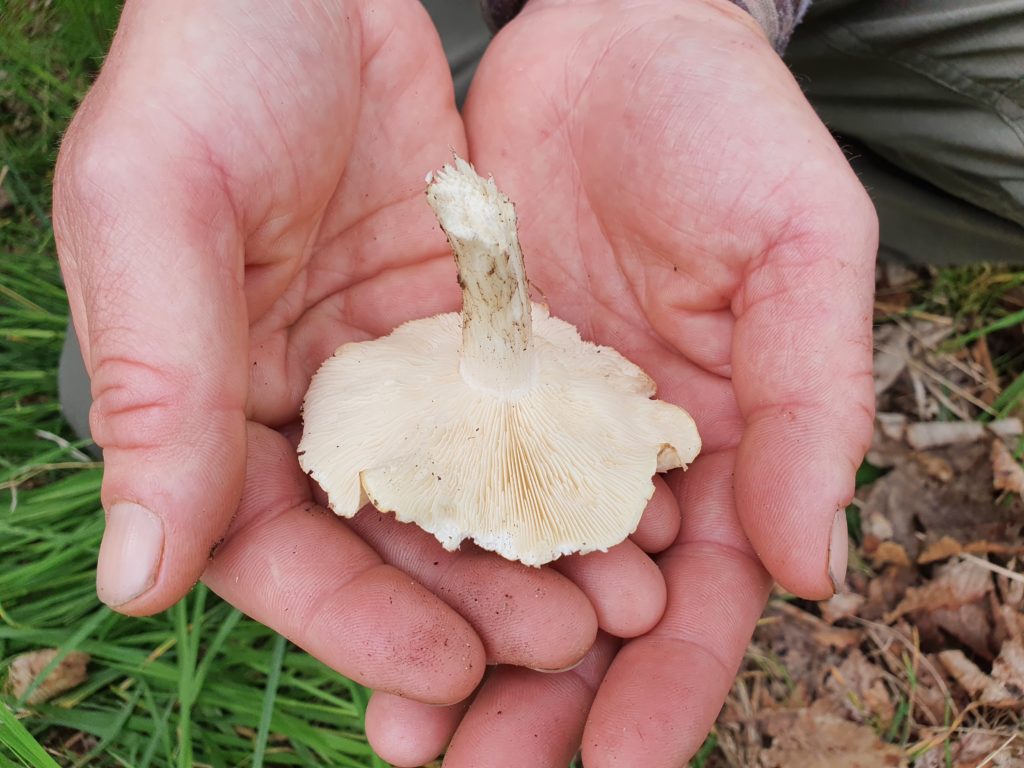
(498, 425)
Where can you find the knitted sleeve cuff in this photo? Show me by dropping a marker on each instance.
(778, 18)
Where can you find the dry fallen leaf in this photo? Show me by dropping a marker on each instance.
(859, 688)
(970, 624)
(1009, 622)
(892, 353)
(822, 739)
(965, 508)
(935, 466)
(990, 749)
(890, 553)
(887, 441)
(943, 549)
(885, 591)
(979, 686)
(25, 668)
(1011, 591)
(820, 631)
(877, 526)
(1008, 668)
(955, 585)
(1007, 474)
(842, 605)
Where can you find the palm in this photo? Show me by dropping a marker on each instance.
(645, 191)
(361, 254)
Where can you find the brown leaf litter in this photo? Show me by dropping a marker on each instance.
(919, 662)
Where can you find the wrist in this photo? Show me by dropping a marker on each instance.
(776, 19)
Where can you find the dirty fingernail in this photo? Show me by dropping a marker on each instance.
(838, 551)
(133, 544)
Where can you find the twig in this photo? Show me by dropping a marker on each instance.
(939, 395)
(1003, 746)
(897, 312)
(928, 343)
(920, 396)
(980, 561)
(75, 453)
(893, 632)
(955, 388)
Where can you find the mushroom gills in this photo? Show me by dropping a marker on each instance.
(498, 424)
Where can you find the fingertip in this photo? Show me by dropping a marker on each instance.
(625, 587)
(432, 654)
(528, 617)
(659, 524)
(164, 517)
(407, 733)
(129, 559)
(791, 495)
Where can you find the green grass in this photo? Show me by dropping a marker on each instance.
(986, 304)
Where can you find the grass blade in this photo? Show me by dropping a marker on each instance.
(16, 737)
(269, 695)
(1008, 321)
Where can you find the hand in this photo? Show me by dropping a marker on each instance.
(679, 200)
(241, 192)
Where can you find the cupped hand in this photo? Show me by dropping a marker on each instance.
(240, 193)
(679, 200)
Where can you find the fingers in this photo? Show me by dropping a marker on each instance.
(664, 690)
(533, 617)
(660, 522)
(521, 717)
(624, 585)
(297, 568)
(408, 733)
(151, 256)
(802, 375)
(530, 617)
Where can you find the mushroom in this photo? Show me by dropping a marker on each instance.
(499, 424)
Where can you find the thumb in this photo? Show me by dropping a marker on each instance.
(802, 376)
(152, 261)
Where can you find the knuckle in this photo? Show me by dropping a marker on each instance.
(135, 404)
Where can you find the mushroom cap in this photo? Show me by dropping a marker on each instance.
(562, 466)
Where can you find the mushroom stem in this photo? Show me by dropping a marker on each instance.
(480, 223)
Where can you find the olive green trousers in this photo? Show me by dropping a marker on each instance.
(928, 98)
